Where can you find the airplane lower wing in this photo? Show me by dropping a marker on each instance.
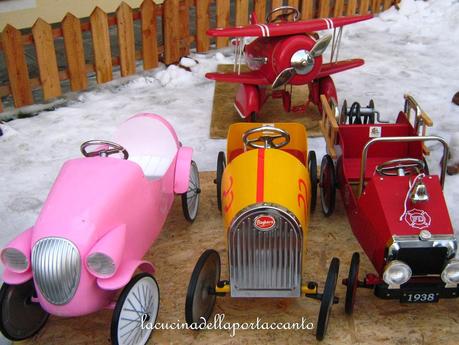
(336, 67)
(253, 77)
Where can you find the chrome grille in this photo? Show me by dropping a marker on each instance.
(56, 267)
(265, 263)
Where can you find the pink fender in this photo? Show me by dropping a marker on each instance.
(124, 274)
(112, 245)
(247, 100)
(21, 243)
(182, 170)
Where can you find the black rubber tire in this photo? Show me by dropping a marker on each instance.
(119, 305)
(17, 311)
(352, 284)
(206, 275)
(221, 165)
(312, 167)
(327, 185)
(327, 299)
(191, 216)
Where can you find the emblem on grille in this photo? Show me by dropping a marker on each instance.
(264, 222)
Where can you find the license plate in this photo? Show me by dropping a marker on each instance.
(419, 297)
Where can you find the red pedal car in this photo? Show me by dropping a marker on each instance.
(396, 209)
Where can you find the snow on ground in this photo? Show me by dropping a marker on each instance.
(413, 50)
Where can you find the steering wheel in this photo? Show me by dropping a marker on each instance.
(267, 137)
(105, 149)
(396, 167)
(286, 11)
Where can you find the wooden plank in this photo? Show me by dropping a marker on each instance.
(324, 9)
(46, 59)
(149, 40)
(242, 12)
(74, 51)
(351, 7)
(387, 4)
(202, 25)
(101, 45)
(260, 9)
(338, 9)
(223, 17)
(185, 27)
(363, 8)
(307, 9)
(126, 40)
(171, 31)
(18, 72)
(376, 6)
(276, 4)
(294, 3)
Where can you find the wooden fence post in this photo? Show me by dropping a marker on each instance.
(46, 59)
(126, 40)
(351, 7)
(260, 9)
(338, 9)
(185, 27)
(276, 4)
(324, 9)
(223, 14)
(242, 12)
(149, 40)
(307, 9)
(202, 25)
(74, 51)
(376, 6)
(294, 3)
(101, 45)
(171, 31)
(363, 9)
(18, 72)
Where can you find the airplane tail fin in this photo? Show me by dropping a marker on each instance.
(253, 18)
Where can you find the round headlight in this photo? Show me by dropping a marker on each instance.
(15, 260)
(450, 274)
(100, 264)
(397, 273)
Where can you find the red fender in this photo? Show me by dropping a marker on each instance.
(247, 100)
(323, 86)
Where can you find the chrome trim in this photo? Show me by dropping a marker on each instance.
(413, 241)
(402, 139)
(265, 263)
(56, 267)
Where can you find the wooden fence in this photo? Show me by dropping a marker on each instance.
(177, 40)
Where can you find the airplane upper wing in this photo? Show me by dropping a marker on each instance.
(282, 29)
(253, 77)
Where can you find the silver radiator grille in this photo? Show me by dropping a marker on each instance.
(56, 267)
(265, 263)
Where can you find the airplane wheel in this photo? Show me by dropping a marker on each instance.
(190, 199)
(138, 302)
(20, 318)
(352, 284)
(327, 299)
(327, 185)
(312, 167)
(221, 165)
(200, 300)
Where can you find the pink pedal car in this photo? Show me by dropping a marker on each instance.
(102, 215)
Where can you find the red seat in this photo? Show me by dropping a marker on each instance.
(296, 153)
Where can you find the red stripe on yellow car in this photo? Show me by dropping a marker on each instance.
(260, 175)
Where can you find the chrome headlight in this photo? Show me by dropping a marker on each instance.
(450, 274)
(397, 273)
(101, 265)
(15, 260)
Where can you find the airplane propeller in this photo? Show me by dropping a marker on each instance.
(302, 62)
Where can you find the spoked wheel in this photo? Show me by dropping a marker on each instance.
(221, 165)
(312, 167)
(327, 185)
(136, 311)
(190, 199)
(352, 283)
(327, 299)
(200, 299)
(20, 318)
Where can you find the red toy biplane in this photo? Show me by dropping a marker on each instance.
(281, 53)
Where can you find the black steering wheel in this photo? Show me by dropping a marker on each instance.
(267, 137)
(104, 149)
(401, 167)
(285, 12)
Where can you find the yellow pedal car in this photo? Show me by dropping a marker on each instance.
(265, 194)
